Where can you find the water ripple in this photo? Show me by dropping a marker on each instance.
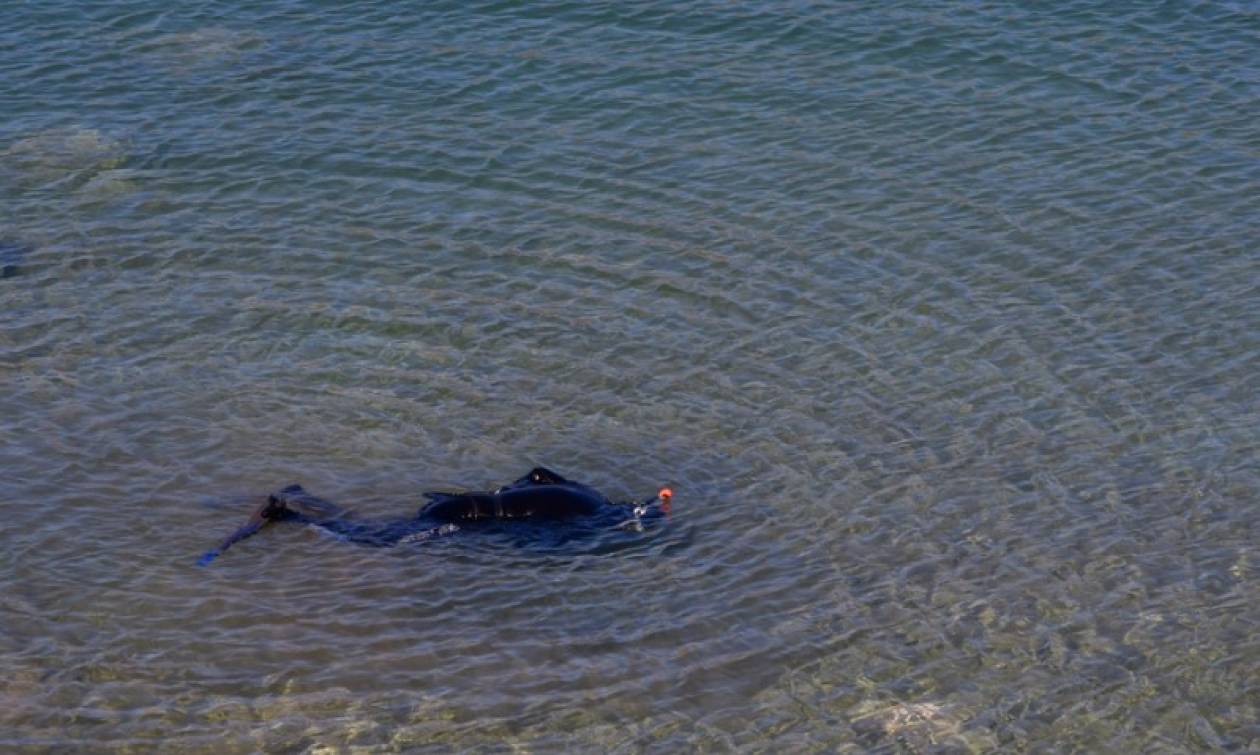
(940, 322)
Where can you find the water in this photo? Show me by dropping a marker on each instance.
(940, 319)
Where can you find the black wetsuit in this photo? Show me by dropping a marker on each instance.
(540, 496)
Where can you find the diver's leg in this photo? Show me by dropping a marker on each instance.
(292, 502)
(269, 510)
(309, 508)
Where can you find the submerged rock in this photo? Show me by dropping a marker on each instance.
(112, 183)
(200, 47)
(914, 726)
(69, 153)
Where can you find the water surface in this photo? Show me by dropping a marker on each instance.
(940, 320)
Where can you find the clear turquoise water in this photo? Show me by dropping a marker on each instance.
(940, 319)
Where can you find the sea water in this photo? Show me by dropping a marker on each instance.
(942, 320)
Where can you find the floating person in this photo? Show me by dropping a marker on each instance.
(542, 496)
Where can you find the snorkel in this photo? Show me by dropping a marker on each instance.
(661, 500)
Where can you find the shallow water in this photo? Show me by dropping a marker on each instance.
(940, 320)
